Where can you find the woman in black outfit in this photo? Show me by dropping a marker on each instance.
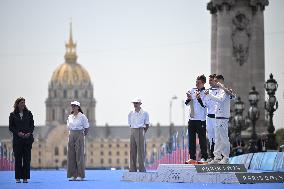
(21, 124)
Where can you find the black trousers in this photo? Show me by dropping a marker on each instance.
(22, 153)
(199, 127)
(211, 147)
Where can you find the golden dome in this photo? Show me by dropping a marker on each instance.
(70, 74)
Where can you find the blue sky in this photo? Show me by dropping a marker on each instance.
(148, 48)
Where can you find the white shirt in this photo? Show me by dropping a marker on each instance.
(199, 111)
(138, 119)
(78, 122)
(223, 103)
(210, 103)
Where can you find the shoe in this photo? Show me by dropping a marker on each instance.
(25, 181)
(203, 161)
(18, 181)
(72, 178)
(190, 161)
(214, 161)
(209, 160)
(224, 161)
(80, 178)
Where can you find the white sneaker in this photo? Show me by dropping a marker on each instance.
(203, 161)
(215, 161)
(72, 178)
(80, 178)
(209, 160)
(224, 161)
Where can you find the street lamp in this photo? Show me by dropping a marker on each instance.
(253, 114)
(171, 104)
(271, 105)
(238, 119)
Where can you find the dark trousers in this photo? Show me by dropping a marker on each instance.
(199, 127)
(22, 153)
(211, 150)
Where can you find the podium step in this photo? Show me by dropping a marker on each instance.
(206, 174)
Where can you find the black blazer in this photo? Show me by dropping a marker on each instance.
(25, 125)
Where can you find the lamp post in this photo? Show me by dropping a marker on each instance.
(238, 119)
(271, 105)
(253, 114)
(171, 104)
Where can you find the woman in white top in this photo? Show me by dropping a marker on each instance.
(78, 126)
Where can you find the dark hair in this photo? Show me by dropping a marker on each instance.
(202, 78)
(220, 77)
(80, 110)
(17, 102)
(212, 76)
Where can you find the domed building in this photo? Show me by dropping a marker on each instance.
(70, 81)
(106, 146)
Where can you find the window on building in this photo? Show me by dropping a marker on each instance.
(117, 161)
(56, 151)
(63, 115)
(117, 153)
(87, 113)
(102, 161)
(76, 94)
(109, 161)
(117, 145)
(102, 153)
(92, 161)
(91, 153)
(109, 153)
(65, 150)
(109, 145)
(56, 161)
(102, 145)
(126, 145)
(53, 114)
(39, 161)
(39, 153)
(64, 94)
(126, 153)
(125, 161)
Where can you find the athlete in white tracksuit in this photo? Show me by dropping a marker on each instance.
(210, 120)
(222, 144)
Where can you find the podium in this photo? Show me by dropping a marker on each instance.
(204, 174)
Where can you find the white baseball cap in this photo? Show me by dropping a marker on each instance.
(137, 100)
(75, 103)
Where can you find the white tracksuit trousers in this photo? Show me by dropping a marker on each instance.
(222, 144)
(210, 126)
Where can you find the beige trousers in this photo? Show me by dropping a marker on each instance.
(75, 156)
(137, 148)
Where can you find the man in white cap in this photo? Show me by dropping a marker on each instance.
(138, 121)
